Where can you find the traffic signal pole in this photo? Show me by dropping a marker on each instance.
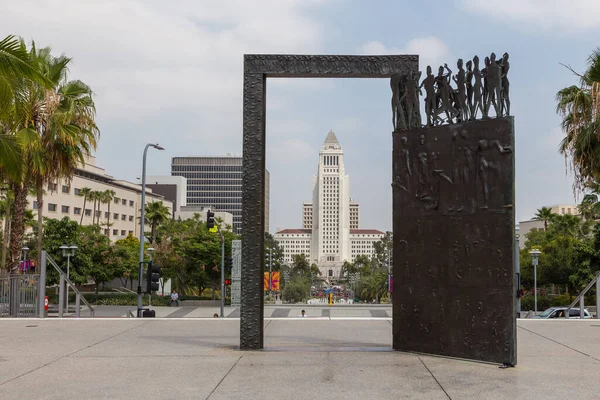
(222, 272)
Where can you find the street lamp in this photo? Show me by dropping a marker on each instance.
(535, 255)
(68, 251)
(25, 249)
(141, 259)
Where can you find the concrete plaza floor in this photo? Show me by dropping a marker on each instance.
(174, 358)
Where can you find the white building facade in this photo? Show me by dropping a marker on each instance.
(330, 234)
(118, 219)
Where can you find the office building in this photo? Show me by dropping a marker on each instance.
(330, 233)
(216, 182)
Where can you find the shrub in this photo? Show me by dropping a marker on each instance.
(296, 291)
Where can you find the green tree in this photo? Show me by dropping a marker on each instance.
(544, 214)
(297, 290)
(127, 250)
(382, 248)
(274, 252)
(578, 106)
(100, 261)
(300, 264)
(156, 213)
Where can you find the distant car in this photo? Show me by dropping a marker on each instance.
(559, 312)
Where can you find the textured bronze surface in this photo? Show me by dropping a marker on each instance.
(257, 67)
(454, 277)
(329, 66)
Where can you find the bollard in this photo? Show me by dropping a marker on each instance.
(77, 304)
(61, 296)
(45, 306)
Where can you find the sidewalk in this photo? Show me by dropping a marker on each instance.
(303, 359)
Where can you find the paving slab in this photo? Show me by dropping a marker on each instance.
(187, 358)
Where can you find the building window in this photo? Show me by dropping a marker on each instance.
(98, 214)
(116, 215)
(330, 273)
(123, 233)
(563, 211)
(131, 218)
(51, 207)
(116, 200)
(123, 217)
(66, 189)
(77, 211)
(130, 203)
(35, 206)
(52, 187)
(106, 232)
(76, 191)
(88, 212)
(106, 214)
(115, 231)
(124, 202)
(64, 209)
(131, 232)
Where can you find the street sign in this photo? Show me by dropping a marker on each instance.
(236, 273)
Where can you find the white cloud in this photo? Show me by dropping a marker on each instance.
(148, 57)
(431, 50)
(563, 15)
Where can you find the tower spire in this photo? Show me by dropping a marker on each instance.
(331, 139)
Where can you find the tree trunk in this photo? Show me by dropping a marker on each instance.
(108, 221)
(97, 290)
(94, 213)
(83, 211)
(40, 220)
(17, 225)
(5, 239)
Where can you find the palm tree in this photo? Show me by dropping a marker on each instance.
(54, 121)
(544, 214)
(579, 108)
(95, 196)
(85, 193)
(156, 213)
(109, 195)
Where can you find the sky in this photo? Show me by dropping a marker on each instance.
(170, 72)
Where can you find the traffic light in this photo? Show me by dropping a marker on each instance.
(152, 277)
(228, 264)
(210, 219)
(227, 282)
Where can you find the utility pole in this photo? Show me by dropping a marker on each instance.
(270, 271)
(222, 271)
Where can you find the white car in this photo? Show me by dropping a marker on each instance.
(559, 312)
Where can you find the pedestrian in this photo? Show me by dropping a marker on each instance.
(303, 314)
(215, 315)
(174, 299)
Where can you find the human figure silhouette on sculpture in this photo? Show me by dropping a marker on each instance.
(463, 167)
(437, 174)
(444, 89)
(430, 100)
(494, 82)
(461, 94)
(398, 121)
(505, 104)
(486, 92)
(477, 89)
(486, 163)
(469, 86)
(423, 191)
(411, 101)
(403, 170)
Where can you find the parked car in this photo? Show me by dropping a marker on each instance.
(559, 312)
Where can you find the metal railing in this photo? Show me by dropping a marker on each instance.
(63, 283)
(19, 295)
(581, 298)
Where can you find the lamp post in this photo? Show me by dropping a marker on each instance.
(150, 251)
(141, 259)
(68, 251)
(535, 255)
(25, 249)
